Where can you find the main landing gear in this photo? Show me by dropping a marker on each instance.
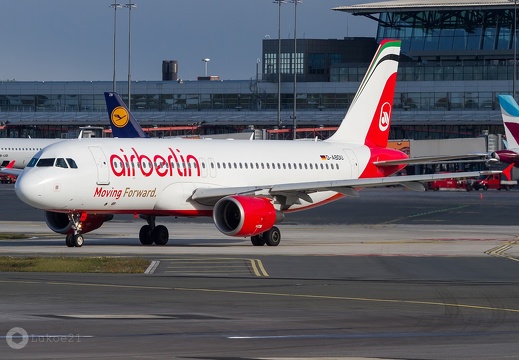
(75, 239)
(270, 237)
(152, 233)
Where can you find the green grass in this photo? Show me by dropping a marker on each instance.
(125, 265)
(6, 236)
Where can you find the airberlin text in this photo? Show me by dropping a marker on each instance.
(127, 192)
(173, 163)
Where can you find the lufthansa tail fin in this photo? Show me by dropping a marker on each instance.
(122, 121)
(510, 114)
(368, 118)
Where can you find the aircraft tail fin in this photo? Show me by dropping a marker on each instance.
(510, 114)
(122, 121)
(368, 118)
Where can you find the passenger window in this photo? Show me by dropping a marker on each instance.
(60, 162)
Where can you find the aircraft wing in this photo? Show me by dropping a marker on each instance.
(10, 170)
(434, 159)
(209, 196)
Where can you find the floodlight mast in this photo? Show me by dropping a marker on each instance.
(130, 6)
(115, 6)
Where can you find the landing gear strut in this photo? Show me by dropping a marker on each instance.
(270, 237)
(152, 233)
(75, 239)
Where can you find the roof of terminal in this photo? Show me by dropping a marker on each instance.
(417, 5)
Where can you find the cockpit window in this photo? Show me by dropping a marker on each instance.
(33, 162)
(48, 162)
(72, 163)
(60, 162)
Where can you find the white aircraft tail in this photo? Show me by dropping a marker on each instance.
(368, 118)
(510, 114)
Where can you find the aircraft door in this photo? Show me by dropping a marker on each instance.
(354, 163)
(103, 175)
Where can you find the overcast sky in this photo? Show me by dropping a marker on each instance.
(73, 39)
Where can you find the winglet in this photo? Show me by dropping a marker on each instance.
(122, 121)
(368, 118)
(510, 114)
(508, 172)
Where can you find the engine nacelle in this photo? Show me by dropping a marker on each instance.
(60, 223)
(245, 215)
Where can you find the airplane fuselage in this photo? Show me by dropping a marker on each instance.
(160, 176)
(21, 150)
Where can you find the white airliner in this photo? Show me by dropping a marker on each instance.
(20, 151)
(246, 186)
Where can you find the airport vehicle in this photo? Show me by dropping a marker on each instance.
(493, 181)
(448, 184)
(510, 114)
(246, 186)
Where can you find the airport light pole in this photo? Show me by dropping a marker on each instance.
(130, 6)
(205, 60)
(295, 67)
(115, 6)
(278, 60)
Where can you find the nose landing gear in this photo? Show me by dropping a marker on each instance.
(75, 239)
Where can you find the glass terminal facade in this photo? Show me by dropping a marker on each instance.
(454, 64)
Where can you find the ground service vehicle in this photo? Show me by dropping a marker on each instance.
(493, 181)
(448, 184)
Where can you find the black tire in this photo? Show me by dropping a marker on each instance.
(257, 240)
(160, 235)
(69, 240)
(272, 237)
(145, 235)
(485, 187)
(79, 240)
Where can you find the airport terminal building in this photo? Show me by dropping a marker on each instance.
(456, 58)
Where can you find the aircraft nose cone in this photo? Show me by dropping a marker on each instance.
(29, 188)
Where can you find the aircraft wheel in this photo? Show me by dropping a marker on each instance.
(79, 240)
(272, 237)
(69, 240)
(160, 235)
(257, 240)
(145, 235)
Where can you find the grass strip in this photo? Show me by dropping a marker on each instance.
(106, 264)
(9, 236)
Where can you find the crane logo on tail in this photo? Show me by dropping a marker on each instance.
(385, 116)
(120, 117)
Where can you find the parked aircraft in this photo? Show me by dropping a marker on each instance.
(122, 121)
(21, 150)
(246, 186)
(510, 114)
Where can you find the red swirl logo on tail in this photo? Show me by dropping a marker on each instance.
(385, 116)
